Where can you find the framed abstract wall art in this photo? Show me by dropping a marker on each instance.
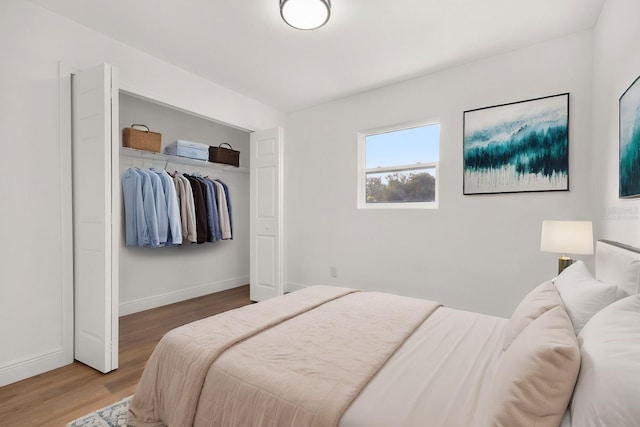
(630, 141)
(517, 147)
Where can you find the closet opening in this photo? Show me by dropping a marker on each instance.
(150, 277)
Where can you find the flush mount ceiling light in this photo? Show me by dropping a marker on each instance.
(305, 14)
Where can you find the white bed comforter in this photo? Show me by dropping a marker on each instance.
(298, 360)
(440, 377)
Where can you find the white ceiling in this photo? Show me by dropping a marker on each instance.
(245, 46)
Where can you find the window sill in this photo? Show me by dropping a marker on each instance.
(396, 206)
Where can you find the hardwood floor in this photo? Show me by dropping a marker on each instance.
(62, 395)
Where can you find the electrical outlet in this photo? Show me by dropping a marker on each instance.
(333, 272)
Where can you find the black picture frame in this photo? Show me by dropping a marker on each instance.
(517, 147)
(629, 141)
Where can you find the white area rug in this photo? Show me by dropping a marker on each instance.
(110, 416)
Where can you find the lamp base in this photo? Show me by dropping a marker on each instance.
(564, 262)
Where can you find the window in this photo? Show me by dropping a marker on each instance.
(398, 166)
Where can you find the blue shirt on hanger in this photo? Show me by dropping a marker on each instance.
(136, 232)
(161, 206)
(149, 203)
(174, 236)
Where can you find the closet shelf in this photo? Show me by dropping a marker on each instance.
(169, 159)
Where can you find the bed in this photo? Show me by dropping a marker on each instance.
(330, 356)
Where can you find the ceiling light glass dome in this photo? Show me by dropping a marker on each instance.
(305, 14)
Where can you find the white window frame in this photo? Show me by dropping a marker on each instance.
(363, 171)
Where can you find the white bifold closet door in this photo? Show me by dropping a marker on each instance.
(266, 212)
(96, 199)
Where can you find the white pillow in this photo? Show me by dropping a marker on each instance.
(582, 295)
(619, 266)
(537, 302)
(536, 375)
(606, 393)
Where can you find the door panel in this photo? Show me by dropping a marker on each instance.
(267, 192)
(94, 136)
(266, 274)
(266, 214)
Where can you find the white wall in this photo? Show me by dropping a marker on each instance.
(475, 252)
(35, 284)
(616, 64)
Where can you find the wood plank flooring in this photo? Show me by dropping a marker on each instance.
(62, 395)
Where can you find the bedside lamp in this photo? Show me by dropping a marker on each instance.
(566, 237)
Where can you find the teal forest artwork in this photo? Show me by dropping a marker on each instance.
(630, 141)
(523, 146)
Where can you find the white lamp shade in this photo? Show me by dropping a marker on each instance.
(567, 237)
(305, 14)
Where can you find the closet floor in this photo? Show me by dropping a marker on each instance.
(62, 395)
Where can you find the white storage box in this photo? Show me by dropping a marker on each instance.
(192, 150)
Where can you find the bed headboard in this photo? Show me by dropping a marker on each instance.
(618, 264)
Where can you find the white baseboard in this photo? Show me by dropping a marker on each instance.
(292, 287)
(33, 365)
(135, 306)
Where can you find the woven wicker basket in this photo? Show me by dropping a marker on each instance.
(141, 139)
(228, 156)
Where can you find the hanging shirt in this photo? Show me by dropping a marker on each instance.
(174, 236)
(161, 206)
(212, 209)
(216, 231)
(149, 203)
(223, 212)
(187, 210)
(136, 232)
(202, 229)
(228, 198)
(179, 186)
